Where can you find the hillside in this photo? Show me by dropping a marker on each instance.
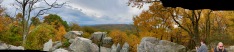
(108, 27)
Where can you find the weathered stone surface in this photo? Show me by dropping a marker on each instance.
(73, 34)
(60, 50)
(3, 46)
(230, 49)
(150, 44)
(97, 36)
(104, 49)
(113, 48)
(118, 47)
(48, 45)
(71, 40)
(94, 47)
(56, 45)
(11, 47)
(125, 47)
(107, 42)
(82, 45)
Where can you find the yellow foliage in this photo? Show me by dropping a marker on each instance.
(86, 35)
(133, 41)
(60, 33)
(39, 35)
(147, 34)
(118, 36)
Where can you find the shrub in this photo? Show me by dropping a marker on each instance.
(39, 35)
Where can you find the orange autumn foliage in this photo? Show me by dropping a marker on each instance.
(118, 36)
(60, 33)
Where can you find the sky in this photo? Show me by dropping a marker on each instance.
(88, 12)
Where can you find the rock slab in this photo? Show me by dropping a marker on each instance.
(151, 44)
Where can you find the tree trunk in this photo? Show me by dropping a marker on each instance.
(24, 26)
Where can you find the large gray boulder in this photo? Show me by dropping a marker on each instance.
(56, 45)
(104, 49)
(60, 50)
(118, 47)
(125, 47)
(73, 34)
(3, 46)
(48, 45)
(97, 36)
(81, 44)
(113, 48)
(230, 49)
(94, 47)
(11, 47)
(151, 44)
(71, 40)
(107, 42)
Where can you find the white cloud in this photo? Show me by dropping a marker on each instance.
(96, 11)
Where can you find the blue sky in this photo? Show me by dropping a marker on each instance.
(89, 12)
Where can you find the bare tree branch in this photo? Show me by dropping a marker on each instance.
(18, 1)
(54, 5)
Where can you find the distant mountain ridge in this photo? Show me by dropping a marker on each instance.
(107, 27)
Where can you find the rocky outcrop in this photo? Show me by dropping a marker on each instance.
(107, 42)
(48, 45)
(125, 47)
(94, 47)
(150, 44)
(113, 48)
(11, 47)
(4, 46)
(98, 36)
(82, 45)
(56, 45)
(104, 49)
(60, 50)
(73, 34)
(71, 40)
(51, 46)
(230, 49)
(118, 48)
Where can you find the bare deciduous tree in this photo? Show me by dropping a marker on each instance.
(27, 8)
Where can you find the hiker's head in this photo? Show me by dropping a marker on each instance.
(203, 42)
(220, 45)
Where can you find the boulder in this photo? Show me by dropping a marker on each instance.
(81, 44)
(11, 47)
(97, 36)
(230, 49)
(71, 40)
(113, 48)
(94, 47)
(3, 46)
(151, 44)
(125, 47)
(56, 45)
(60, 50)
(104, 49)
(73, 34)
(107, 42)
(118, 47)
(48, 45)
